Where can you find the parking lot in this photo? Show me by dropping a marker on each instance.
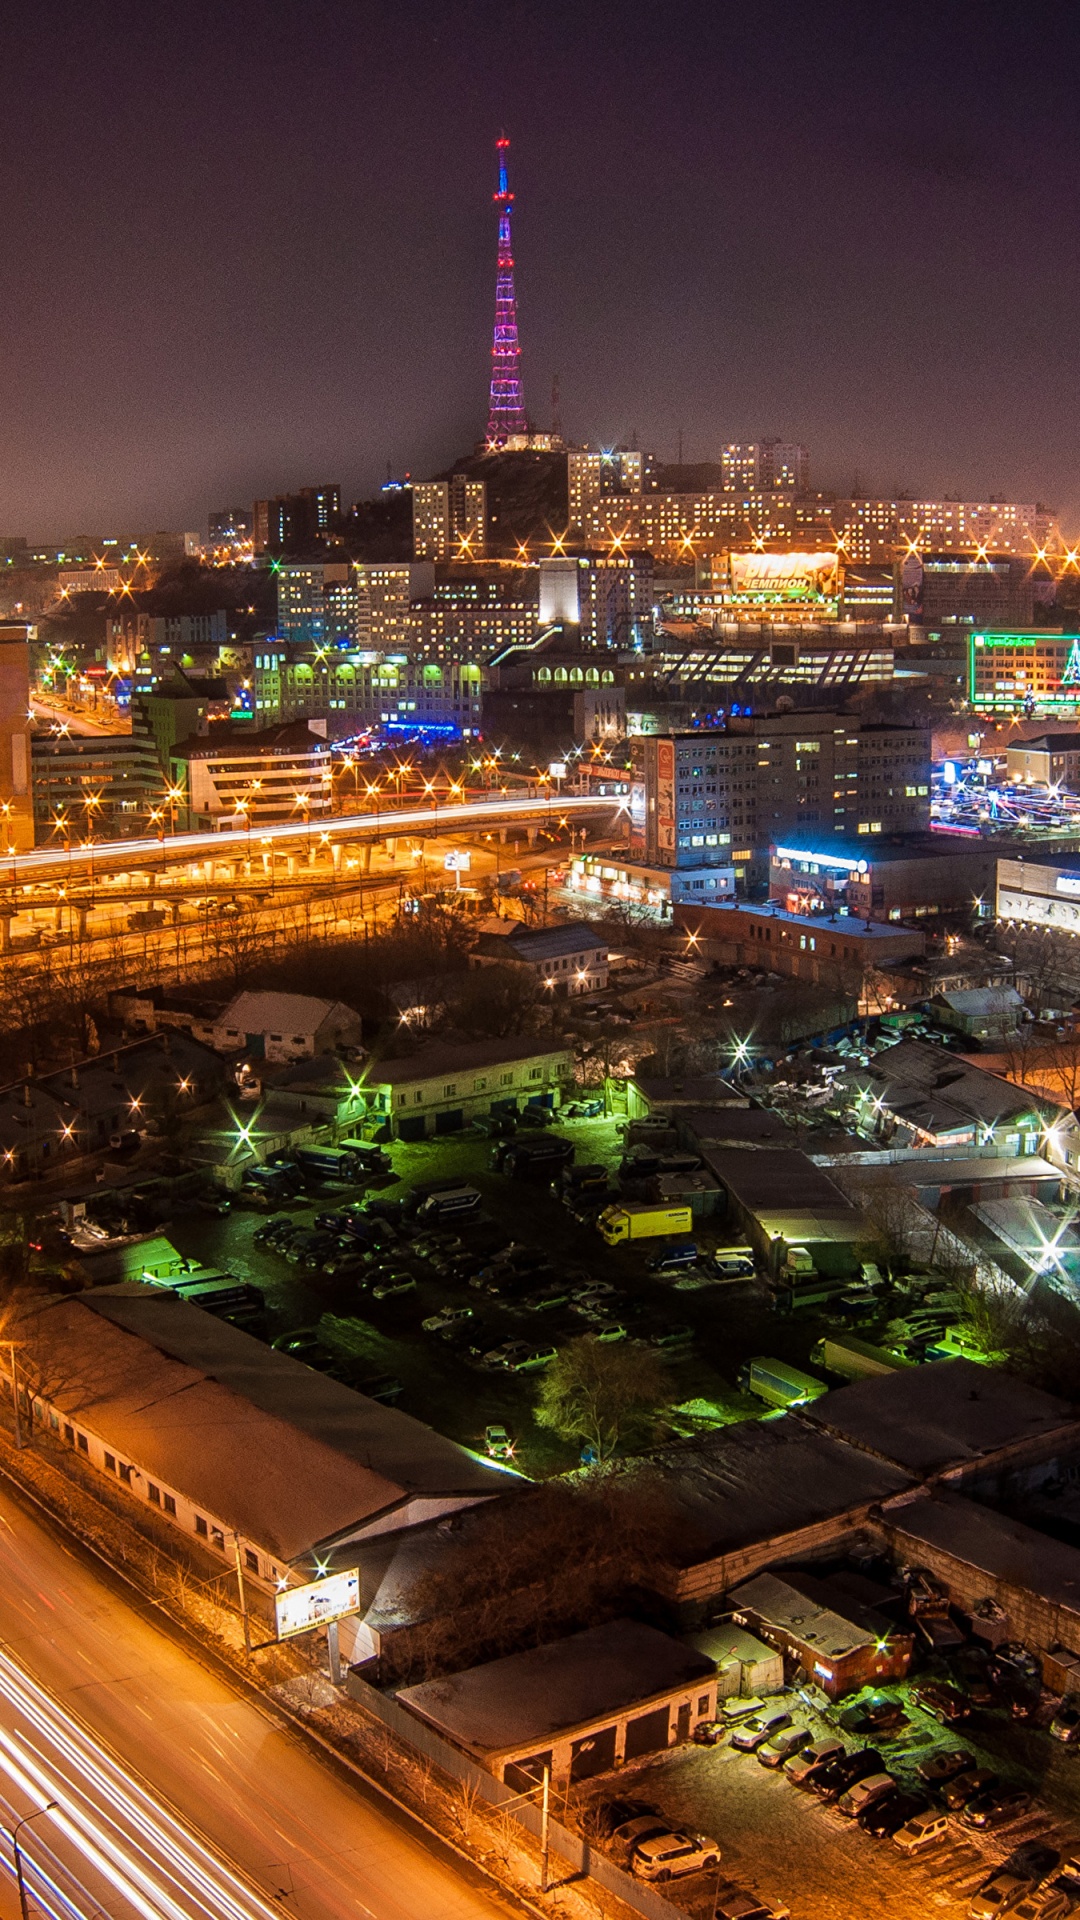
(788, 1846)
(722, 1325)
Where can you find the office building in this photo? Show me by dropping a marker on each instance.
(938, 590)
(762, 465)
(1024, 672)
(607, 598)
(344, 603)
(1051, 761)
(16, 800)
(349, 690)
(181, 638)
(449, 518)
(101, 787)
(718, 797)
(239, 778)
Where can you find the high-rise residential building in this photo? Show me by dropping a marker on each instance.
(718, 797)
(590, 477)
(297, 522)
(317, 602)
(16, 798)
(762, 466)
(449, 518)
(230, 528)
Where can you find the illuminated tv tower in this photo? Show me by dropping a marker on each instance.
(506, 411)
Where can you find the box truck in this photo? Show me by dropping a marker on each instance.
(644, 1220)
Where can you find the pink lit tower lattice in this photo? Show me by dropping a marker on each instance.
(506, 411)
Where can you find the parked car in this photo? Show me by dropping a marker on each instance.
(805, 1767)
(925, 1829)
(863, 1794)
(967, 1786)
(532, 1358)
(734, 1904)
(998, 1894)
(841, 1774)
(545, 1300)
(670, 1856)
(1065, 1725)
(640, 1826)
(885, 1816)
(446, 1317)
(995, 1808)
(945, 1703)
(941, 1767)
(760, 1727)
(878, 1714)
(780, 1748)
(393, 1284)
(1044, 1903)
(605, 1817)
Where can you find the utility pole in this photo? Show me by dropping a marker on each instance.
(12, 1347)
(242, 1592)
(544, 1823)
(15, 1832)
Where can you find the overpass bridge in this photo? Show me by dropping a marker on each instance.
(93, 859)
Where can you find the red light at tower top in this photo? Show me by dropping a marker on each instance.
(506, 408)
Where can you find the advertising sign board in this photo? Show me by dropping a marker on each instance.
(779, 578)
(300, 1609)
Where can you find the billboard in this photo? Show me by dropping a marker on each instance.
(665, 799)
(299, 1609)
(782, 579)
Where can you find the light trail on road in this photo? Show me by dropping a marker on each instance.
(106, 1835)
(432, 818)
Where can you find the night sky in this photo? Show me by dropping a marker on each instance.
(248, 248)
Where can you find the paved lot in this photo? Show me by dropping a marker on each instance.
(788, 1845)
(728, 1323)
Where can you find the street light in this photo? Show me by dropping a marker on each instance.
(14, 1833)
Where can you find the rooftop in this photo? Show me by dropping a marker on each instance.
(279, 1012)
(874, 932)
(776, 1180)
(196, 1401)
(993, 1543)
(802, 1606)
(552, 943)
(428, 1063)
(937, 1091)
(761, 1480)
(531, 1697)
(945, 1414)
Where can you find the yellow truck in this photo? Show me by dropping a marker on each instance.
(643, 1220)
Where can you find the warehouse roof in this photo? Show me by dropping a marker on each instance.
(761, 1480)
(776, 1179)
(430, 1063)
(947, 1413)
(993, 1544)
(534, 1696)
(551, 943)
(284, 1454)
(280, 1013)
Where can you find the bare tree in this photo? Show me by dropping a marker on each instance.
(602, 1394)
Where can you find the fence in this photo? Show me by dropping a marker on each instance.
(571, 1847)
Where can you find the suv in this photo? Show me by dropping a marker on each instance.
(922, 1830)
(760, 1727)
(666, 1856)
(805, 1767)
(836, 1778)
(945, 1703)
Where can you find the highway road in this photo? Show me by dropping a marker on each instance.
(177, 1798)
(432, 817)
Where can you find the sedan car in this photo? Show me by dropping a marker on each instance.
(497, 1442)
(670, 1856)
(393, 1284)
(839, 1775)
(1046, 1903)
(995, 1808)
(446, 1317)
(1001, 1893)
(760, 1727)
(967, 1786)
(734, 1904)
(532, 1358)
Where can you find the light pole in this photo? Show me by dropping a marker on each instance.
(14, 1833)
(12, 1347)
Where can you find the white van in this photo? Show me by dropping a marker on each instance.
(922, 1830)
(864, 1793)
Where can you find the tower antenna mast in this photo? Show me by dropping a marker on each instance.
(506, 408)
